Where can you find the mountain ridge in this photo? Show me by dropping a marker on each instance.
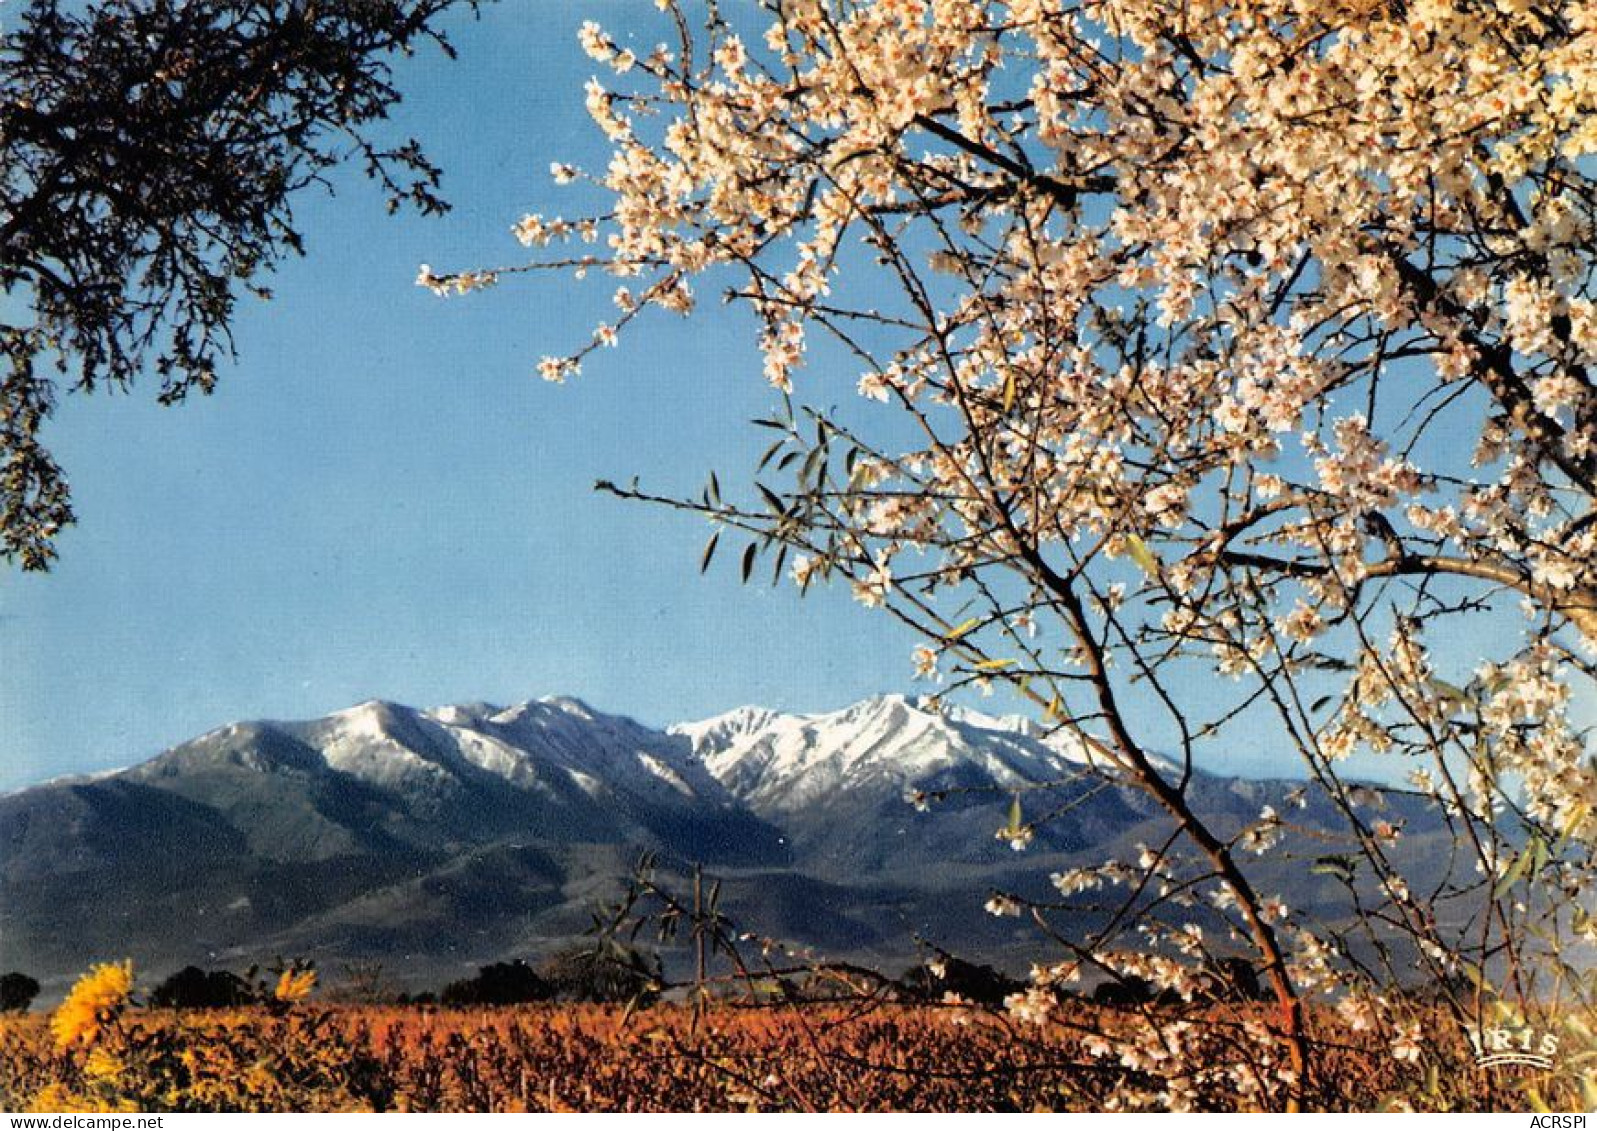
(432, 839)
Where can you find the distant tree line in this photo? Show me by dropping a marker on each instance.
(620, 974)
(1225, 979)
(17, 992)
(604, 974)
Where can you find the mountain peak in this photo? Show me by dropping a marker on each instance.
(427, 835)
(886, 745)
(739, 720)
(464, 714)
(885, 705)
(373, 713)
(571, 705)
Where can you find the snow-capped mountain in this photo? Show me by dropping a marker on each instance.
(785, 763)
(381, 772)
(844, 785)
(434, 839)
(546, 747)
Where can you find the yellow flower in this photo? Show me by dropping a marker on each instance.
(59, 1098)
(295, 984)
(93, 1003)
(103, 1065)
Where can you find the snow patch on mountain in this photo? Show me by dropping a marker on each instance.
(781, 763)
(770, 762)
(371, 742)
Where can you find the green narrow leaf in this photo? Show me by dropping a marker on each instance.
(1337, 865)
(1538, 854)
(995, 665)
(1511, 877)
(770, 453)
(715, 490)
(748, 561)
(1138, 549)
(961, 629)
(709, 551)
(1577, 815)
(772, 499)
(812, 464)
(1009, 391)
(1473, 973)
(1015, 816)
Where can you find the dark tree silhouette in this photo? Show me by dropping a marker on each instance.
(149, 154)
(1127, 990)
(611, 973)
(970, 980)
(1234, 979)
(17, 992)
(193, 988)
(502, 983)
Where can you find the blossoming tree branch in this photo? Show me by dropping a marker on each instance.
(1190, 340)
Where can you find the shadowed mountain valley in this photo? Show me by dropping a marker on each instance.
(434, 841)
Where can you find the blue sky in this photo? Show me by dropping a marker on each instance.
(383, 500)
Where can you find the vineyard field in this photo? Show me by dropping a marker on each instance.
(600, 1058)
